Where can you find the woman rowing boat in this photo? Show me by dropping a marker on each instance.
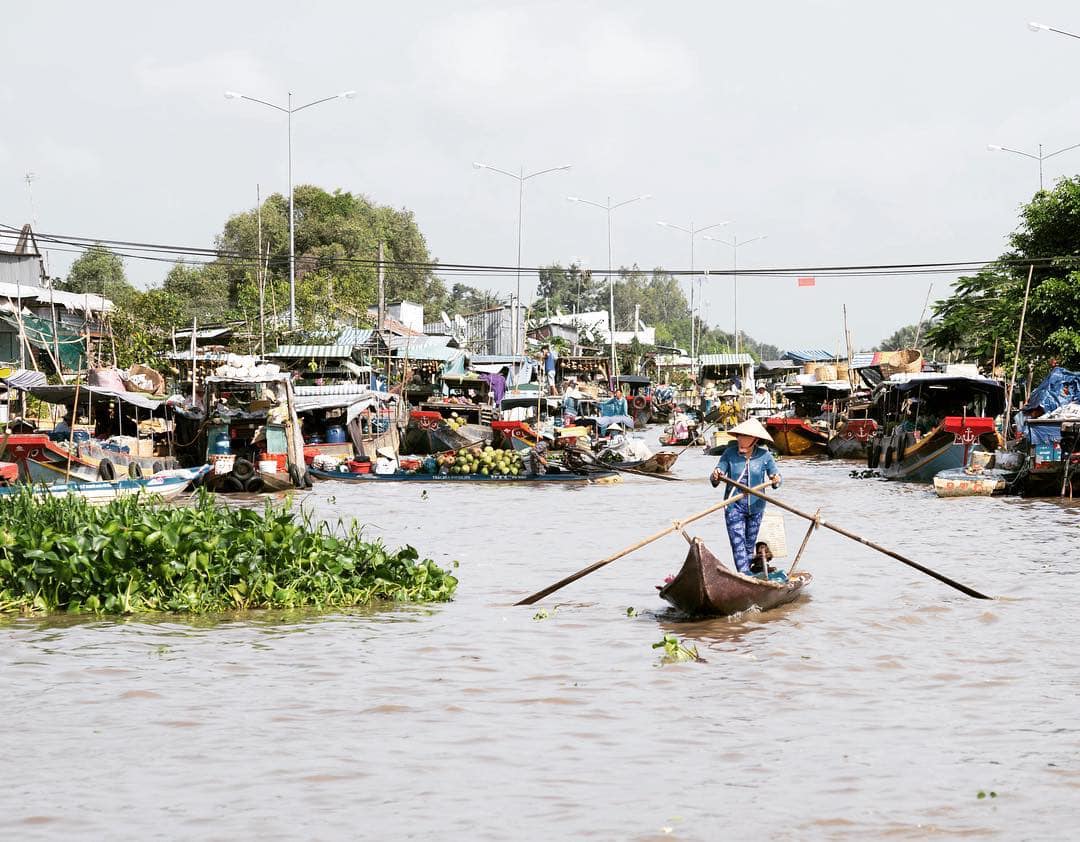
(748, 461)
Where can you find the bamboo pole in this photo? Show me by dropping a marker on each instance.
(656, 536)
(71, 433)
(1016, 357)
(806, 540)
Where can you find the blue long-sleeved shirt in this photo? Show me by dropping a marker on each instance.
(733, 465)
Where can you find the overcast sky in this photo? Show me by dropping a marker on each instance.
(848, 132)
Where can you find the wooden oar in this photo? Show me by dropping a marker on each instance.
(952, 583)
(656, 536)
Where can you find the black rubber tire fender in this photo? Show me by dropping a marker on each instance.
(230, 483)
(106, 470)
(158, 467)
(135, 470)
(873, 454)
(888, 456)
(243, 470)
(901, 447)
(254, 485)
(295, 477)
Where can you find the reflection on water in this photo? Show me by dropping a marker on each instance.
(880, 706)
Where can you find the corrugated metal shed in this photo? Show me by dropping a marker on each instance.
(355, 337)
(426, 351)
(725, 359)
(811, 355)
(22, 269)
(778, 365)
(314, 352)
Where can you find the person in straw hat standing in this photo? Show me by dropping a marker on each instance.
(748, 461)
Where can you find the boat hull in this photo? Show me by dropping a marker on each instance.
(562, 477)
(166, 486)
(706, 587)
(959, 483)
(794, 437)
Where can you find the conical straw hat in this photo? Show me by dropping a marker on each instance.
(751, 427)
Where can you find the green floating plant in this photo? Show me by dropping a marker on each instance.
(135, 555)
(675, 651)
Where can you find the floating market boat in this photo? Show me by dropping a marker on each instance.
(638, 400)
(418, 476)
(706, 587)
(957, 413)
(658, 463)
(852, 439)
(796, 436)
(166, 485)
(963, 482)
(45, 458)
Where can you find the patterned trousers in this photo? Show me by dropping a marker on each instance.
(742, 530)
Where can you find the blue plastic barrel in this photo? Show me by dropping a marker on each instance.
(335, 435)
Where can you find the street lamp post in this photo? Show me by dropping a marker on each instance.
(693, 232)
(734, 244)
(289, 111)
(1042, 27)
(521, 178)
(993, 147)
(608, 207)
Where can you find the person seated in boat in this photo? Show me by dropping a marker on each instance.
(538, 461)
(386, 461)
(762, 400)
(680, 427)
(746, 460)
(64, 425)
(571, 396)
(618, 404)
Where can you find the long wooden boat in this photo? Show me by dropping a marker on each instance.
(796, 437)
(401, 476)
(166, 485)
(41, 459)
(706, 587)
(901, 456)
(658, 463)
(852, 439)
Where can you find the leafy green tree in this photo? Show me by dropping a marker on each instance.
(981, 319)
(99, 271)
(571, 290)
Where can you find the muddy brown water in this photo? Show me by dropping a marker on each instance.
(879, 707)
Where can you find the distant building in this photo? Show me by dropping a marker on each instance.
(39, 323)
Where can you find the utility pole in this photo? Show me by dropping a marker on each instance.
(382, 309)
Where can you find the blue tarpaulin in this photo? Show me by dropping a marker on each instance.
(1060, 387)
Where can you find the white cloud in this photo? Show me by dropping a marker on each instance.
(219, 72)
(514, 56)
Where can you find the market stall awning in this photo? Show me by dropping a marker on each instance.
(725, 359)
(312, 352)
(66, 395)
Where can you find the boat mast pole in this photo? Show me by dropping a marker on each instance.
(1016, 356)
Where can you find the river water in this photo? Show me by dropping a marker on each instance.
(879, 707)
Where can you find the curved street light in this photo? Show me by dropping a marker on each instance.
(693, 232)
(521, 178)
(608, 207)
(1042, 27)
(993, 147)
(734, 244)
(289, 110)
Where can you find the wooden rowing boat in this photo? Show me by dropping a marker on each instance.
(705, 586)
(561, 477)
(658, 463)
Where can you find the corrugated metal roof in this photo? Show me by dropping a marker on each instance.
(204, 333)
(777, 365)
(426, 351)
(492, 359)
(865, 359)
(811, 355)
(355, 337)
(395, 342)
(315, 352)
(725, 359)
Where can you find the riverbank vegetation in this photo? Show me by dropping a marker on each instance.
(62, 554)
(981, 319)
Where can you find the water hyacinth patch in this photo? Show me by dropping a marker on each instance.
(62, 554)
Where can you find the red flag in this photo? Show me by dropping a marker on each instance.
(807, 282)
